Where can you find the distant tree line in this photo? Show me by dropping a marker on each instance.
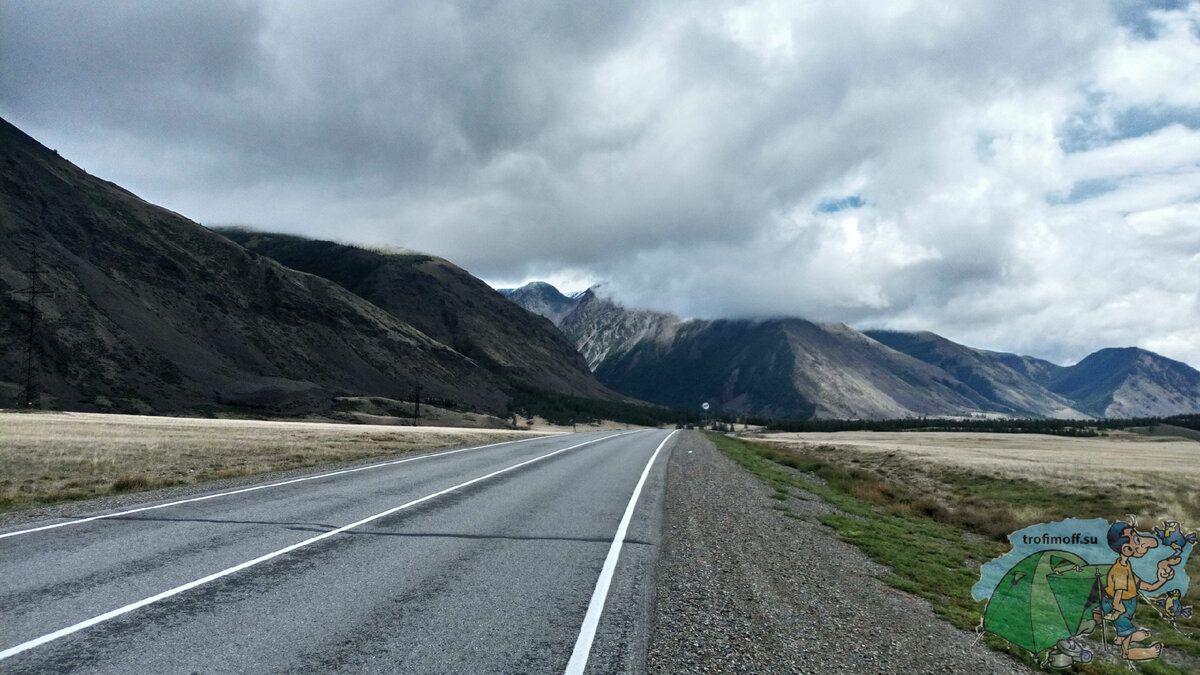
(528, 402)
(1055, 427)
(562, 409)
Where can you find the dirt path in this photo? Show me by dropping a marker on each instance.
(742, 588)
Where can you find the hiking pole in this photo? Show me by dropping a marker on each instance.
(1103, 622)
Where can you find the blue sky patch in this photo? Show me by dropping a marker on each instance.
(842, 204)
(1086, 130)
(1085, 190)
(1135, 122)
(1135, 14)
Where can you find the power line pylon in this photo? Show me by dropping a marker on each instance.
(30, 396)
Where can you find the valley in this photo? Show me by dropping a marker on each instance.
(671, 338)
(139, 310)
(160, 359)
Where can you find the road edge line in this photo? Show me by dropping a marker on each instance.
(591, 621)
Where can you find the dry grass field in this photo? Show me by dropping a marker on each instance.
(50, 457)
(1163, 471)
(934, 507)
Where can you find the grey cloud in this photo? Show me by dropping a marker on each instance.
(679, 150)
(123, 62)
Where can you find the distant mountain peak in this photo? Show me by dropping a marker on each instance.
(1130, 382)
(790, 366)
(541, 298)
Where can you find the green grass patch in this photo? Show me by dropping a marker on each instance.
(935, 536)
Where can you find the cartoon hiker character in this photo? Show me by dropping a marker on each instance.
(1122, 586)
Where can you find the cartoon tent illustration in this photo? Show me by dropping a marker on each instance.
(1043, 599)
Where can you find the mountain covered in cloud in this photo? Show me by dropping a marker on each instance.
(542, 299)
(147, 311)
(796, 368)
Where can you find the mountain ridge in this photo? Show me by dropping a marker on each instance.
(149, 312)
(443, 301)
(1129, 382)
(992, 376)
(837, 371)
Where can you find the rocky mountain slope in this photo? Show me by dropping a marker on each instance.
(1128, 382)
(796, 368)
(600, 328)
(444, 302)
(151, 312)
(542, 299)
(782, 368)
(1115, 382)
(995, 381)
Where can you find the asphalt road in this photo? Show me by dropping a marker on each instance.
(488, 560)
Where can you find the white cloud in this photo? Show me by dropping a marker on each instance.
(1164, 151)
(1165, 70)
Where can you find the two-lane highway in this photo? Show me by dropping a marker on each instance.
(527, 556)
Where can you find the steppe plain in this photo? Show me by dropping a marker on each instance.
(1163, 469)
(54, 457)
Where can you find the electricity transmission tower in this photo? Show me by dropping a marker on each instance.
(30, 396)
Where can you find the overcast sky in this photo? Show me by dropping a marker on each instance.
(1020, 176)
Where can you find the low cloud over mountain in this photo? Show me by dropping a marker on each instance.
(797, 368)
(143, 310)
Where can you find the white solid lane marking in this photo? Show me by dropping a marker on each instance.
(63, 632)
(587, 632)
(260, 487)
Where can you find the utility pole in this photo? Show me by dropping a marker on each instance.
(30, 397)
(417, 404)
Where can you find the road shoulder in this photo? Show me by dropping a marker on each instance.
(742, 587)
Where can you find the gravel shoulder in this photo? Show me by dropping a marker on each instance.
(744, 588)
